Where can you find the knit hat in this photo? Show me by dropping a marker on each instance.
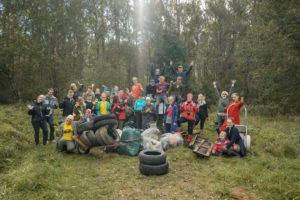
(190, 95)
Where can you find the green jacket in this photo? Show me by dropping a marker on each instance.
(98, 107)
(222, 103)
(175, 89)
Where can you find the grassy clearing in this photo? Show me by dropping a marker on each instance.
(270, 171)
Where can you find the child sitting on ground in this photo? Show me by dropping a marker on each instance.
(221, 142)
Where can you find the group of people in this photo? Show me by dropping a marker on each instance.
(142, 107)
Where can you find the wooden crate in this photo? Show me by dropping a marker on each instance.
(201, 146)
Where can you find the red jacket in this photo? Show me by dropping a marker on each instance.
(218, 146)
(233, 112)
(121, 110)
(190, 107)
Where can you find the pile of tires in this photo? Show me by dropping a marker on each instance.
(153, 162)
(100, 132)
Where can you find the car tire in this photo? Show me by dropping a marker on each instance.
(92, 138)
(106, 138)
(149, 170)
(104, 117)
(112, 135)
(85, 139)
(98, 136)
(85, 127)
(110, 122)
(152, 157)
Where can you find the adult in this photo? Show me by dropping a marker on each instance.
(234, 136)
(176, 90)
(68, 104)
(136, 89)
(180, 71)
(189, 110)
(138, 106)
(148, 113)
(39, 111)
(223, 102)
(171, 116)
(52, 101)
(203, 113)
(76, 90)
(233, 110)
(151, 89)
(161, 92)
(66, 132)
(89, 92)
(156, 74)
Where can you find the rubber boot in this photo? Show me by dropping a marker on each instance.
(189, 138)
(77, 139)
(178, 129)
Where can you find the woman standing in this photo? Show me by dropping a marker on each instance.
(233, 110)
(75, 90)
(189, 110)
(203, 114)
(39, 111)
(170, 119)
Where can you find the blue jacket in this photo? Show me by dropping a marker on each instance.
(234, 137)
(174, 118)
(156, 77)
(50, 101)
(138, 104)
(183, 74)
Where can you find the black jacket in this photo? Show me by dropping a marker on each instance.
(202, 110)
(234, 137)
(67, 105)
(151, 90)
(39, 111)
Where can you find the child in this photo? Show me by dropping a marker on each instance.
(221, 142)
(89, 103)
(170, 119)
(138, 105)
(102, 107)
(79, 109)
(120, 111)
(97, 94)
(89, 116)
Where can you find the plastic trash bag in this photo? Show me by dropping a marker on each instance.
(152, 144)
(153, 133)
(133, 147)
(171, 140)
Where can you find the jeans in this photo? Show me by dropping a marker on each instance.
(177, 99)
(37, 125)
(221, 120)
(161, 99)
(65, 145)
(201, 119)
(190, 124)
(168, 128)
(50, 121)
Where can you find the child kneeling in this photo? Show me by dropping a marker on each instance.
(65, 131)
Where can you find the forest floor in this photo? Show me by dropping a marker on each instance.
(271, 170)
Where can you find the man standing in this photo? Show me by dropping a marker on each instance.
(180, 71)
(53, 103)
(156, 74)
(68, 104)
(161, 92)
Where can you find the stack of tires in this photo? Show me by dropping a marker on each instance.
(100, 132)
(153, 162)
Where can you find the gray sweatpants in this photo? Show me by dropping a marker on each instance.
(64, 144)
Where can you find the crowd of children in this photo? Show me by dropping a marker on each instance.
(142, 107)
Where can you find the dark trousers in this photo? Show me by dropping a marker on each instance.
(159, 99)
(138, 119)
(168, 128)
(177, 99)
(201, 119)
(221, 120)
(190, 124)
(51, 125)
(37, 125)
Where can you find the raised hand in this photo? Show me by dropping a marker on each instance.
(215, 84)
(171, 63)
(192, 63)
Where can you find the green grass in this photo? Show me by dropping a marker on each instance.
(271, 170)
